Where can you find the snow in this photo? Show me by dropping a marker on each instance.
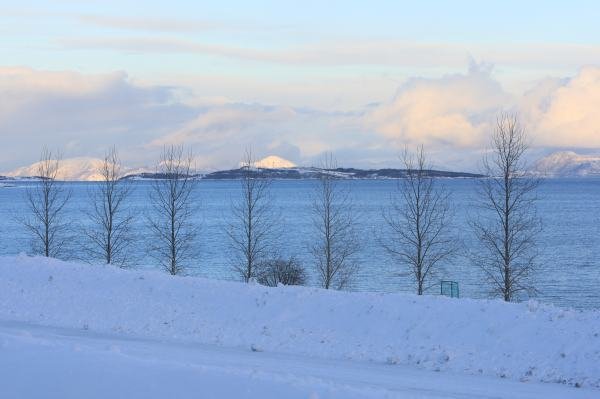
(273, 162)
(568, 164)
(69, 363)
(73, 322)
(75, 169)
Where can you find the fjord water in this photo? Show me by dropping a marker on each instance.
(569, 265)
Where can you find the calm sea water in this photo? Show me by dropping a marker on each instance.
(569, 262)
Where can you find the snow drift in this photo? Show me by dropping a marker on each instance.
(518, 341)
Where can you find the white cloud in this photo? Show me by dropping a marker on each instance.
(221, 132)
(566, 113)
(455, 110)
(82, 114)
(354, 51)
(451, 115)
(458, 111)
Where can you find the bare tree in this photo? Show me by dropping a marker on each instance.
(254, 221)
(172, 198)
(46, 201)
(508, 225)
(419, 220)
(334, 221)
(110, 234)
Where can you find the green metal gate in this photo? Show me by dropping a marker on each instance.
(449, 288)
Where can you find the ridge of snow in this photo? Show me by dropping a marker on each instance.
(525, 341)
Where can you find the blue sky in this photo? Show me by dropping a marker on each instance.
(361, 79)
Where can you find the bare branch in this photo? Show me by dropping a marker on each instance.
(46, 201)
(173, 207)
(418, 222)
(508, 225)
(334, 221)
(110, 236)
(252, 230)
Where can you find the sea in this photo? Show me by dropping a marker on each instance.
(567, 271)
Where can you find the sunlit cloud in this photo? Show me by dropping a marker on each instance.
(455, 110)
(452, 115)
(222, 132)
(565, 113)
(81, 113)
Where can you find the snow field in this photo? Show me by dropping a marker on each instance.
(525, 342)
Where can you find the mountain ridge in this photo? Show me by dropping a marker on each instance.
(557, 164)
(295, 173)
(299, 173)
(568, 164)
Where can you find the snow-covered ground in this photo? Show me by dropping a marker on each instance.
(43, 362)
(70, 330)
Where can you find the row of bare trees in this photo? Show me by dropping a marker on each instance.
(253, 231)
(505, 224)
(255, 228)
(109, 232)
(419, 235)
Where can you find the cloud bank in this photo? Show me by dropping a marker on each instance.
(565, 113)
(451, 115)
(337, 53)
(81, 114)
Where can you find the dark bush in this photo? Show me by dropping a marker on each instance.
(281, 271)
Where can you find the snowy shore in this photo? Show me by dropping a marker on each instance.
(520, 342)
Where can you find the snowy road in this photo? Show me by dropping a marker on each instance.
(38, 362)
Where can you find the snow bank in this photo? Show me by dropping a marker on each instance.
(518, 341)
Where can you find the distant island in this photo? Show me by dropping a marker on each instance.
(273, 167)
(297, 173)
(558, 164)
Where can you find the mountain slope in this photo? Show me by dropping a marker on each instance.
(568, 164)
(77, 169)
(87, 169)
(274, 162)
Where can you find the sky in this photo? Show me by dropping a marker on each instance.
(362, 80)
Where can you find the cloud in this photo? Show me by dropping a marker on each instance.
(451, 115)
(150, 24)
(221, 132)
(323, 54)
(85, 114)
(165, 24)
(354, 52)
(80, 113)
(455, 110)
(566, 112)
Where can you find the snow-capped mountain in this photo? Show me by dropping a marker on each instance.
(568, 163)
(272, 162)
(87, 169)
(80, 169)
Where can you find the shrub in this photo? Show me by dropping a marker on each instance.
(281, 271)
